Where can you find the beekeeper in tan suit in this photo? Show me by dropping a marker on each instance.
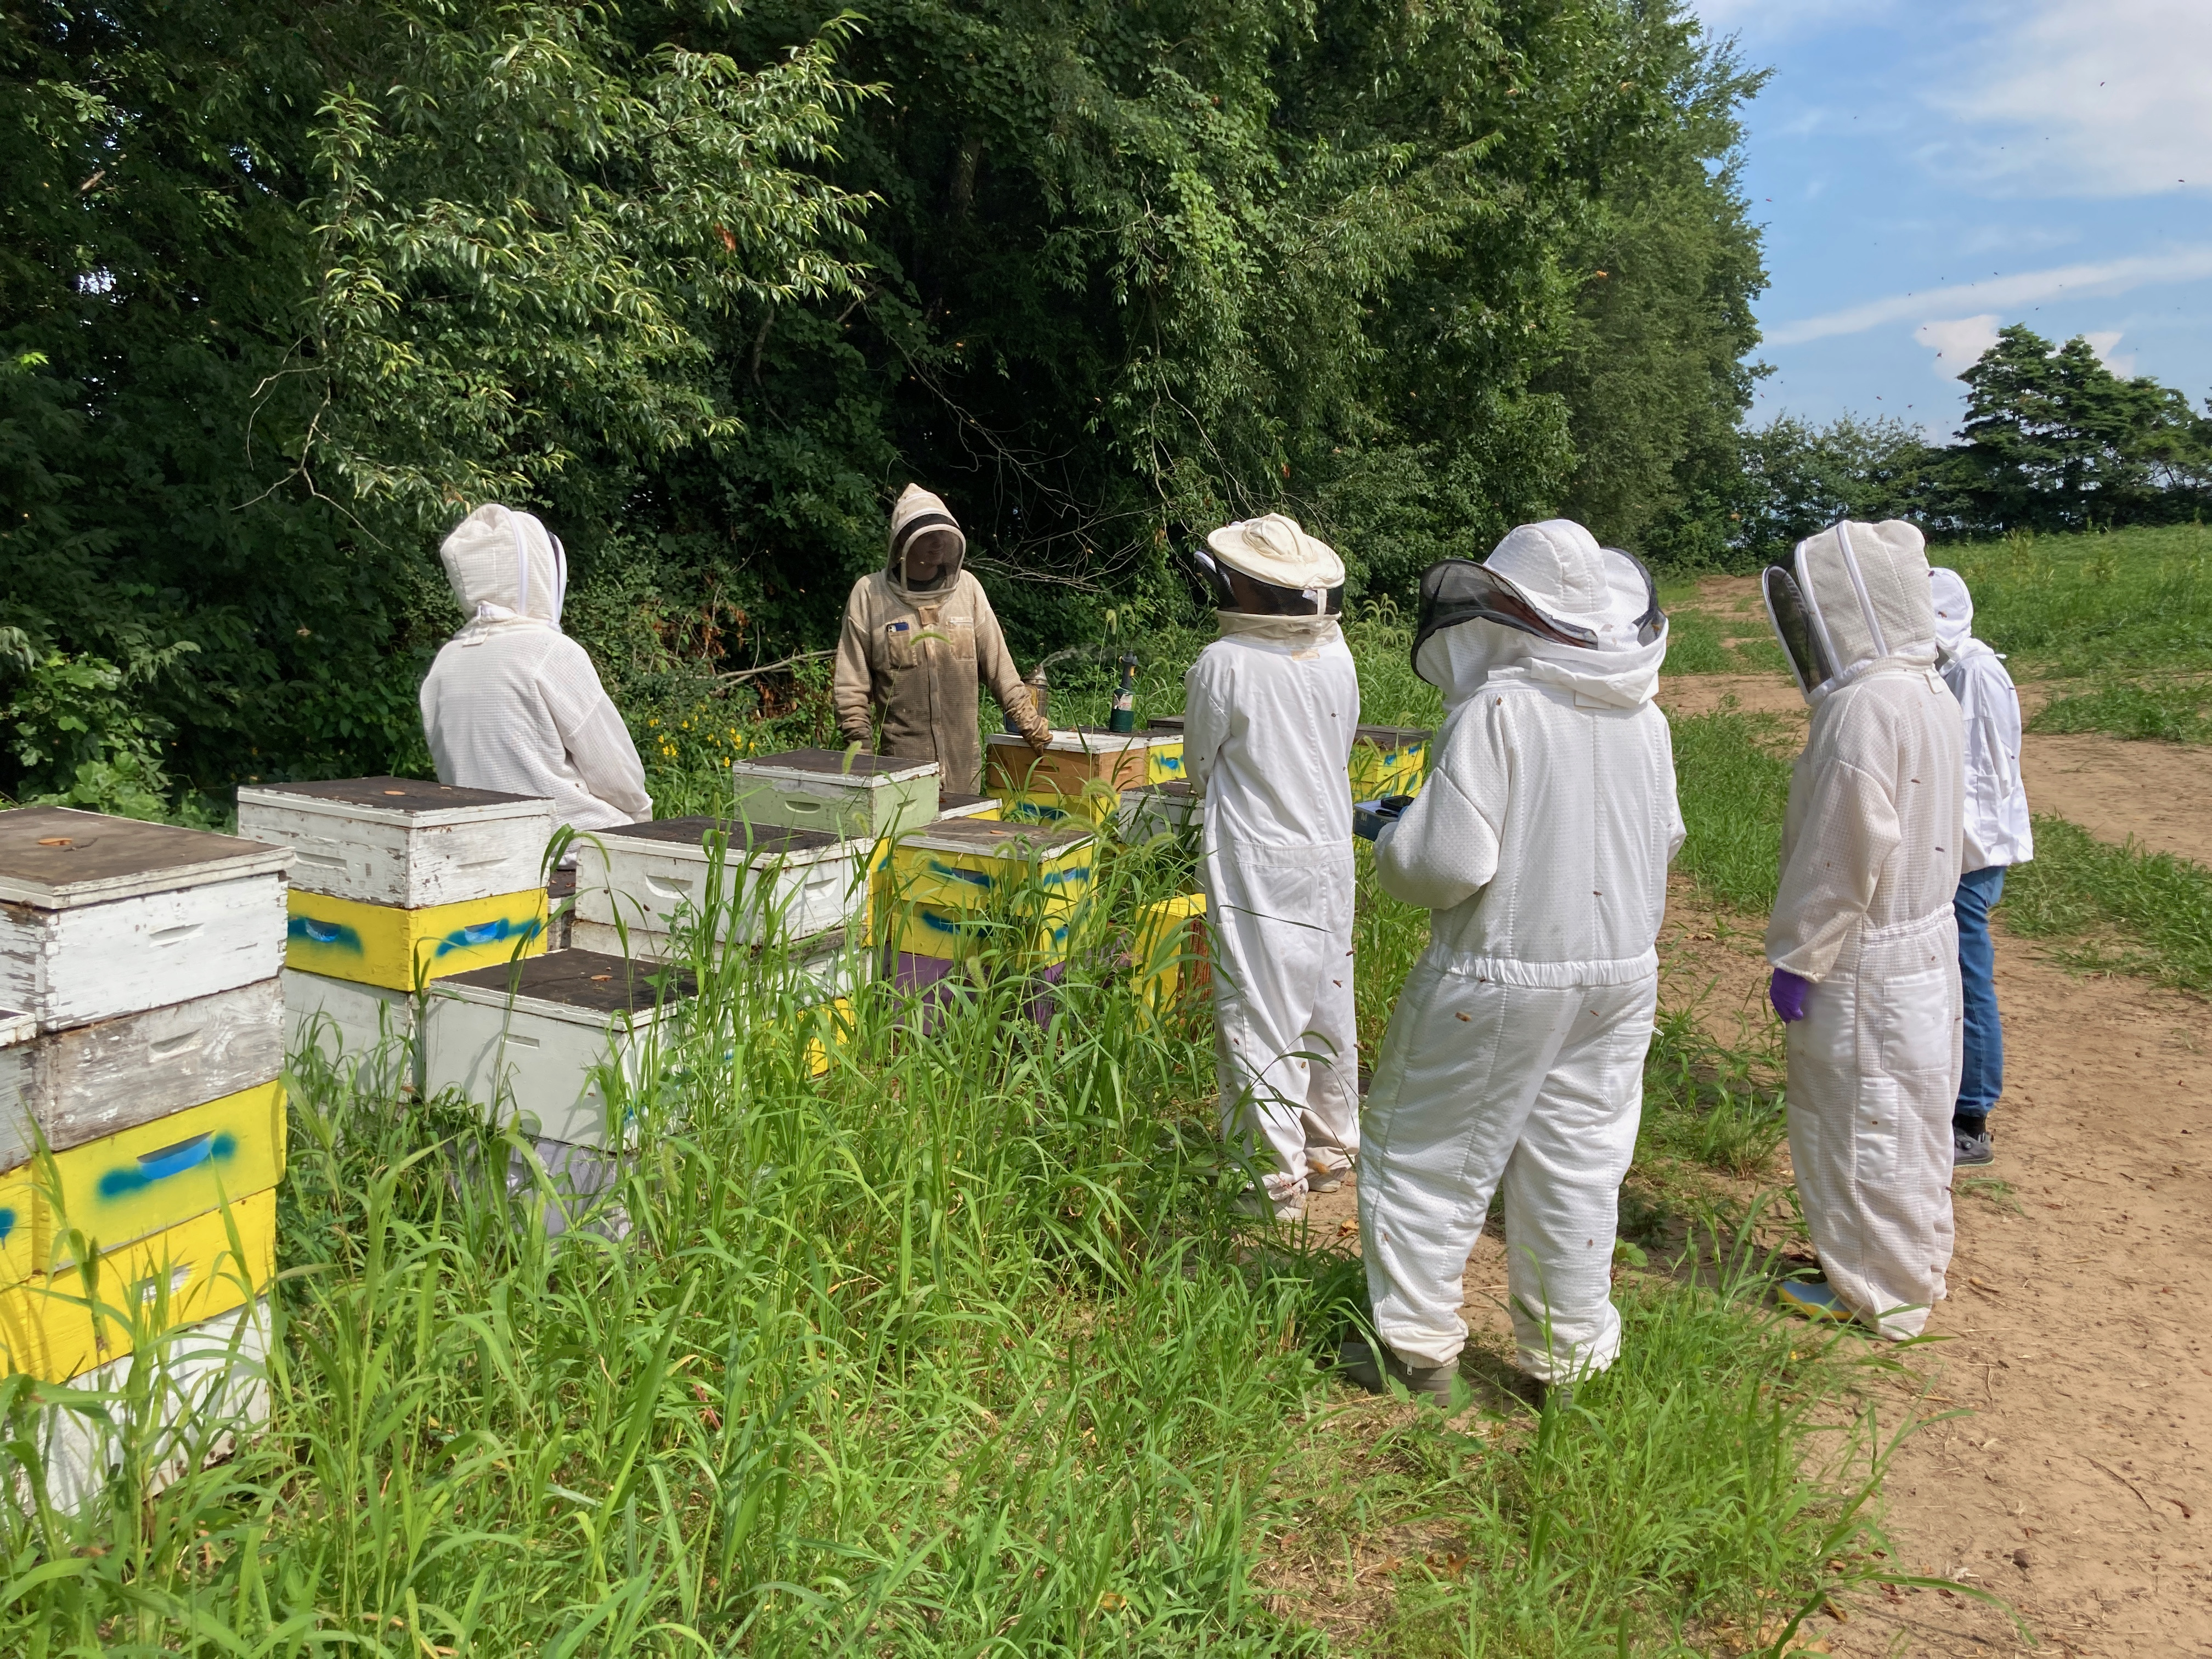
(920, 638)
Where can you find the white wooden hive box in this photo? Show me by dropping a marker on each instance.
(402, 842)
(530, 1039)
(849, 796)
(89, 1081)
(102, 916)
(345, 1020)
(774, 882)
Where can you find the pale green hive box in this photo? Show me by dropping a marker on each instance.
(853, 797)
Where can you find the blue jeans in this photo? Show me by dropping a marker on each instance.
(1982, 1079)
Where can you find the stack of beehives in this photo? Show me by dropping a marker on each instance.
(142, 1119)
(965, 892)
(396, 883)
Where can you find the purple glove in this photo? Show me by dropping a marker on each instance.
(1787, 993)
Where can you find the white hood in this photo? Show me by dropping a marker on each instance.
(1865, 589)
(505, 568)
(1955, 611)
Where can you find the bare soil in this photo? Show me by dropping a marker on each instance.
(2159, 793)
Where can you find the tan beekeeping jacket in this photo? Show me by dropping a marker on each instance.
(922, 661)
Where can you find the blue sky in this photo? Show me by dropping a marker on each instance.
(1929, 171)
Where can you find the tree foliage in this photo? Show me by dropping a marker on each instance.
(286, 288)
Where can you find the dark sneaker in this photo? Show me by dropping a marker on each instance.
(1970, 1148)
(1356, 1359)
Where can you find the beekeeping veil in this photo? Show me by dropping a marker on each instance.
(916, 514)
(1852, 596)
(1567, 611)
(505, 567)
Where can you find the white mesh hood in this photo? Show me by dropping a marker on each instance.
(504, 566)
(1866, 587)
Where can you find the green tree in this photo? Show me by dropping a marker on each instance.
(2053, 440)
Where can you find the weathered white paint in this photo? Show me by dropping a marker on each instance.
(89, 1081)
(209, 1385)
(655, 884)
(347, 1021)
(94, 962)
(579, 1178)
(1158, 810)
(410, 860)
(15, 1028)
(537, 1063)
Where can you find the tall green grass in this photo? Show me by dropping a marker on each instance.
(2140, 912)
(2159, 711)
(2091, 606)
(1734, 786)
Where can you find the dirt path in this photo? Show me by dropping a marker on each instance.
(2159, 793)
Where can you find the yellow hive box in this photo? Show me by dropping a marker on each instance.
(1168, 954)
(382, 943)
(63, 1324)
(1388, 760)
(963, 886)
(161, 1174)
(1164, 763)
(832, 1023)
(20, 1234)
(1095, 807)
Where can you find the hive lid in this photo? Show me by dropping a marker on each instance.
(412, 803)
(1149, 737)
(953, 806)
(869, 771)
(587, 981)
(1176, 791)
(1391, 737)
(1166, 723)
(1084, 740)
(16, 1028)
(989, 840)
(751, 842)
(52, 858)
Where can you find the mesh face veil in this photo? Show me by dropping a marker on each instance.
(1795, 626)
(1457, 591)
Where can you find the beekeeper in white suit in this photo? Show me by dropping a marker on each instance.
(1270, 711)
(1861, 941)
(1540, 844)
(514, 704)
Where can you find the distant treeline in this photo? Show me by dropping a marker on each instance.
(2052, 441)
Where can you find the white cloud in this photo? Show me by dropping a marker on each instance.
(2083, 97)
(1959, 344)
(2003, 294)
(2102, 343)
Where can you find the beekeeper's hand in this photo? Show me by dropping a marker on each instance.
(1786, 991)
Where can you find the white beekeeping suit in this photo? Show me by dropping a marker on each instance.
(1270, 711)
(1515, 1057)
(1871, 849)
(514, 704)
(1998, 827)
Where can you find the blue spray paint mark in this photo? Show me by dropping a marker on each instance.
(1169, 763)
(168, 1161)
(974, 877)
(489, 933)
(308, 930)
(7, 1223)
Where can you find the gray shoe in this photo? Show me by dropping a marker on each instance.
(1357, 1359)
(1972, 1149)
(1327, 1181)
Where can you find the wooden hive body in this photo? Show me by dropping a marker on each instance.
(1160, 809)
(384, 945)
(101, 917)
(968, 806)
(344, 1019)
(960, 887)
(849, 797)
(89, 1081)
(401, 842)
(211, 1386)
(528, 1040)
(774, 882)
(1074, 764)
(1387, 760)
